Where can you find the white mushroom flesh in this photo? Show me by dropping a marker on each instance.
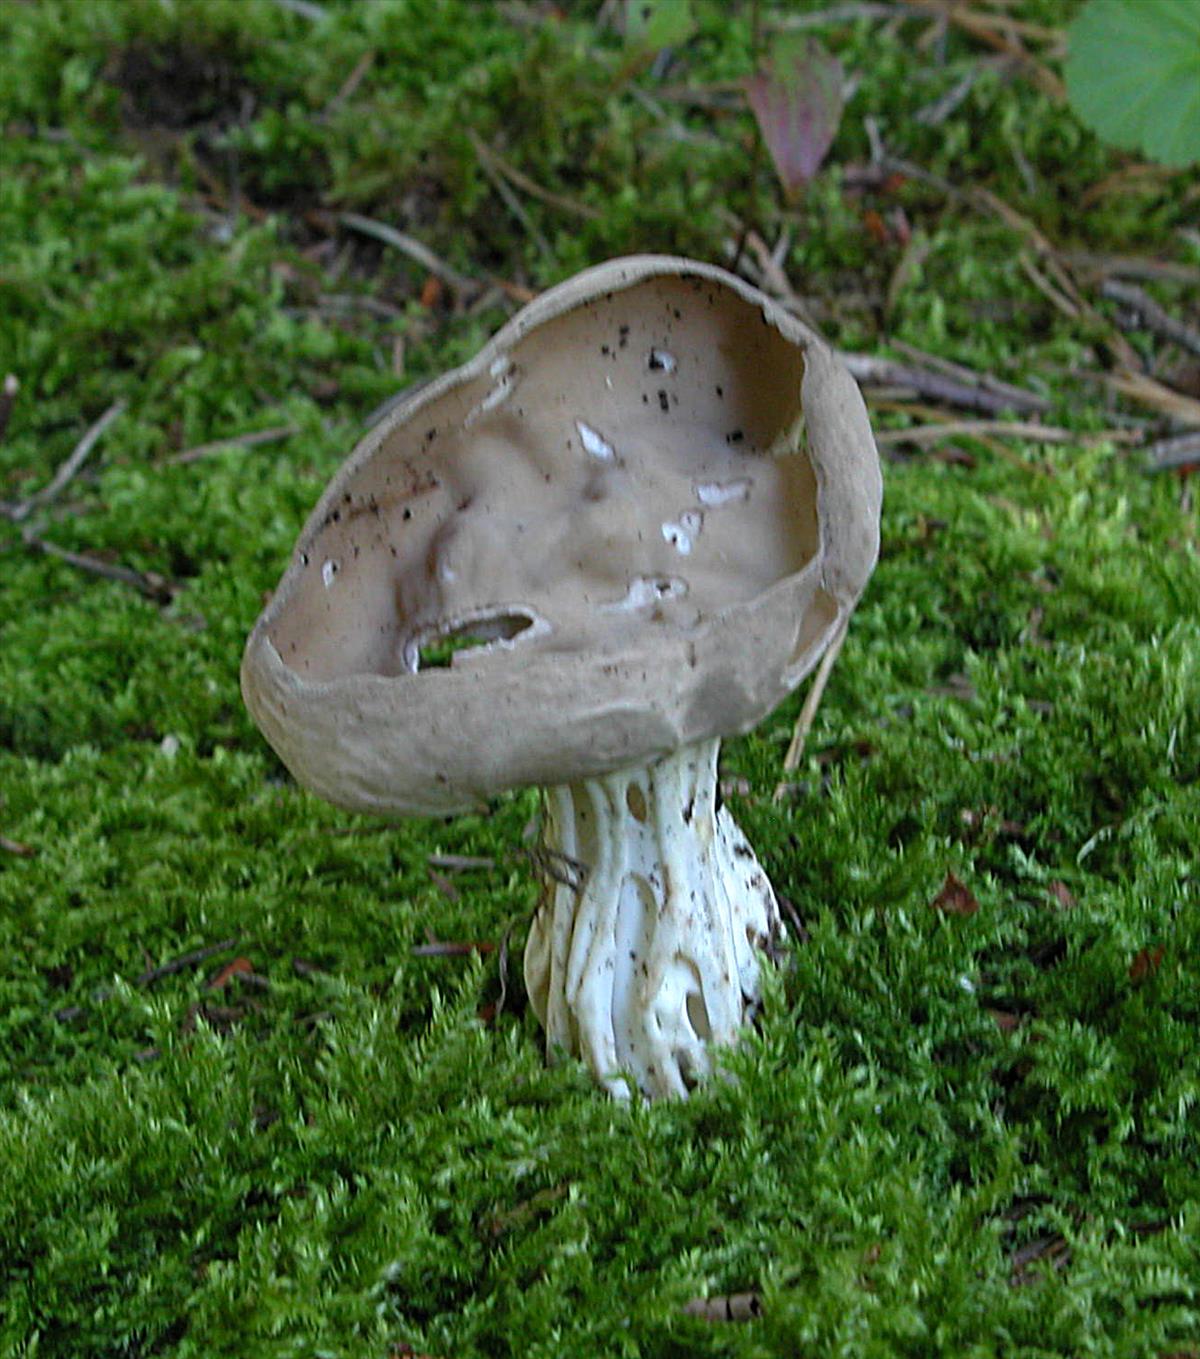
(643, 957)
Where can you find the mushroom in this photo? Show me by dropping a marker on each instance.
(628, 527)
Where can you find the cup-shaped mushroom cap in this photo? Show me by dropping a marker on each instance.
(634, 520)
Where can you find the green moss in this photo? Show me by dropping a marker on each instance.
(967, 1135)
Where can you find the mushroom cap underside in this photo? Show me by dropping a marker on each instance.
(632, 521)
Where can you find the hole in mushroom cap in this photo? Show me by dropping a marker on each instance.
(595, 444)
(681, 534)
(717, 493)
(443, 644)
(645, 590)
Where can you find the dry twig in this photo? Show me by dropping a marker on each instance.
(1182, 450)
(730, 1307)
(1147, 391)
(459, 863)
(812, 701)
(1131, 266)
(1019, 398)
(181, 964)
(1152, 315)
(68, 469)
(306, 9)
(150, 584)
(1013, 429)
(414, 249)
(844, 13)
(8, 398)
(251, 440)
(511, 201)
(971, 391)
(1056, 296)
(443, 948)
(1003, 34)
(530, 186)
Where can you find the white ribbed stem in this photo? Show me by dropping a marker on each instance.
(644, 951)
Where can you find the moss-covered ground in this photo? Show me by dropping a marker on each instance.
(967, 1123)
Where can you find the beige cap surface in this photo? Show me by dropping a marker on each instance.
(646, 505)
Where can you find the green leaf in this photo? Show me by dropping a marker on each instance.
(1133, 75)
(651, 25)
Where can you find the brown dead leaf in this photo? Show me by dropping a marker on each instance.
(228, 972)
(1146, 963)
(17, 847)
(955, 898)
(1062, 894)
(1005, 1021)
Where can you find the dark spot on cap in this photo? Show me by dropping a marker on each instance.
(664, 402)
(735, 436)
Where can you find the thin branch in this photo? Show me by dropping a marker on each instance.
(251, 440)
(1182, 450)
(982, 394)
(1054, 295)
(510, 199)
(410, 246)
(58, 483)
(845, 13)
(729, 1307)
(153, 587)
(459, 863)
(1152, 315)
(559, 867)
(773, 278)
(812, 701)
(351, 83)
(985, 29)
(306, 9)
(1013, 429)
(8, 398)
(530, 186)
(1132, 266)
(1019, 398)
(200, 955)
(442, 948)
(502, 968)
(1149, 392)
(935, 114)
